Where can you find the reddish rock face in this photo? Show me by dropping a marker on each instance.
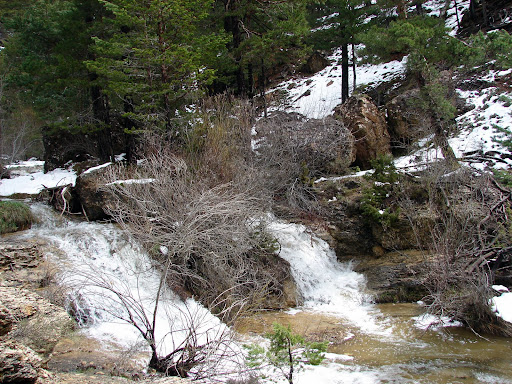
(368, 125)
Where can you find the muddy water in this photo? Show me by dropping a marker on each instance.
(407, 354)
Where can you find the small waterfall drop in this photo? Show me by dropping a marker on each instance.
(326, 284)
(95, 256)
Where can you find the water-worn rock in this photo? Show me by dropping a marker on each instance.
(368, 125)
(90, 197)
(395, 276)
(20, 365)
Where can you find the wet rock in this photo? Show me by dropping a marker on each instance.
(368, 125)
(90, 197)
(395, 276)
(20, 365)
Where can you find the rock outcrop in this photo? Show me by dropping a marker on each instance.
(29, 323)
(388, 257)
(19, 364)
(368, 125)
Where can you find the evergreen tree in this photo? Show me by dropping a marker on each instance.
(153, 61)
(263, 35)
(338, 23)
(426, 42)
(45, 60)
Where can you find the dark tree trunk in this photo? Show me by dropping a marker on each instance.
(472, 13)
(419, 7)
(354, 67)
(262, 88)
(484, 11)
(102, 116)
(344, 72)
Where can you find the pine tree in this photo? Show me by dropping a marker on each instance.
(263, 35)
(338, 23)
(153, 61)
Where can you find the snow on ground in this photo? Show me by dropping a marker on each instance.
(478, 129)
(453, 15)
(28, 178)
(317, 96)
(502, 304)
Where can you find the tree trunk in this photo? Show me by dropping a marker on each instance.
(354, 67)
(444, 10)
(401, 9)
(484, 11)
(262, 88)
(441, 141)
(344, 72)
(101, 114)
(419, 7)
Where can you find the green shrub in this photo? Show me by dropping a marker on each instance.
(287, 353)
(424, 39)
(495, 45)
(384, 179)
(14, 216)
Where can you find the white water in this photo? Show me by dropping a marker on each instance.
(403, 355)
(327, 285)
(96, 257)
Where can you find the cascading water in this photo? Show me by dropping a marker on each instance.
(390, 350)
(327, 285)
(113, 283)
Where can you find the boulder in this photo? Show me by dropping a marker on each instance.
(91, 199)
(368, 125)
(315, 63)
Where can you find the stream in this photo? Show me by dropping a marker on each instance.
(368, 343)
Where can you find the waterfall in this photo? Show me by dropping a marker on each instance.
(95, 256)
(326, 284)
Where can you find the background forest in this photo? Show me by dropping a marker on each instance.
(97, 73)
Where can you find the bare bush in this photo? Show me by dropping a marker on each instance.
(183, 337)
(466, 242)
(292, 151)
(213, 235)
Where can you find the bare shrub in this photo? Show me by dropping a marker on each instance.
(218, 142)
(183, 338)
(213, 234)
(291, 151)
(465, 243)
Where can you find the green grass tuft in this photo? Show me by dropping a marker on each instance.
(14, 216)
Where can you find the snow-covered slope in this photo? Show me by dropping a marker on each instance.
(477, 135)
